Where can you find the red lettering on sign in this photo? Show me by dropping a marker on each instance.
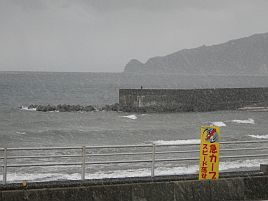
(213, 158)
(213, 149)
(213, 174)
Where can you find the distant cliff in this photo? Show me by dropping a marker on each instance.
(245, 56)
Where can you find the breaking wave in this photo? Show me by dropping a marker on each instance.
(238, 121)
(141, 172)
(20, 133)
(176, 142)
(132, 116)
(255, 109)
(259, 136)
(218, 123)
(27, 108)
(247, 121)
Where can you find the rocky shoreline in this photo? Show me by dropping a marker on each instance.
(71, 108)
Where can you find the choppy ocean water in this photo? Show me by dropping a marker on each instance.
(24, 128)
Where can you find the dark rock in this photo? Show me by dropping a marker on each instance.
(115, 107)
(67, 108)
(107, 108)
(78, 108)
(38, 108)
(89, 108)
(62, 108)
(32, 106)
(74, 108)
(51, 108)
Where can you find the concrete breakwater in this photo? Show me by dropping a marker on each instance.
(240, 186)
(172, 100)
(190, 100)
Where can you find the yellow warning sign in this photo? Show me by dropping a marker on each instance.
(209, 152)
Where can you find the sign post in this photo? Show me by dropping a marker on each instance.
(209, 152)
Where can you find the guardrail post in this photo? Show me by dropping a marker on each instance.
(5, 167)
(83, 163)
(153, 161)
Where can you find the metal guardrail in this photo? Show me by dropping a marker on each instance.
(84, 154)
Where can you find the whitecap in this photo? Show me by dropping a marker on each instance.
(254, 109)
(27, 109)
(139, 172)
(177, 142)
(259, 136)
(21, 133)
(247, 121)
(18, 177)
(132, 116)
(227, 165)
(218, 123)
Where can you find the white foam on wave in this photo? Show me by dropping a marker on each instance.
(132, 116)
(20, 133)
(223, 166)
(141, 172)
(27, 109)
(254, 109)
(218, 123)
(249, 108)
(247, 121)
(17, 177)
(241, 164)
(176, 142)
(259, 136)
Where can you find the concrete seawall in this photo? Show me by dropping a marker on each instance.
(240, 186)
(187, 100)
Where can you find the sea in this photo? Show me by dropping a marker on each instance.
(21, 127)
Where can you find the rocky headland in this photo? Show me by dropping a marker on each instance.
(244, 56)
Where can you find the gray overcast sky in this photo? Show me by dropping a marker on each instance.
(103, 35)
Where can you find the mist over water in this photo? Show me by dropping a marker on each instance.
(24, 88)
(22, 128)
(131, 36)
(29, 128)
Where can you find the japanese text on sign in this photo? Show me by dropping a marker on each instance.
(209, 153)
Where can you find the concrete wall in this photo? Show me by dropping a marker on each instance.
(236, 188)
(185, 100)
